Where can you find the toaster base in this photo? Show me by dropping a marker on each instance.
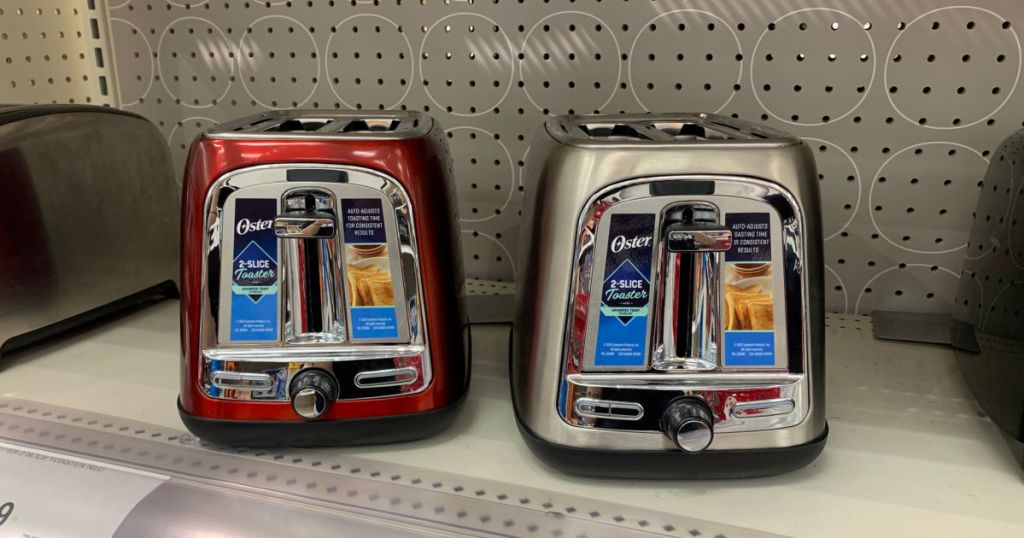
(674, 463)
(356, 431)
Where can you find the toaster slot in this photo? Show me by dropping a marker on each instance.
(613, 131)
(686, 130)
(691, 242)
(370, 125)
(308, 226)
(302, 125)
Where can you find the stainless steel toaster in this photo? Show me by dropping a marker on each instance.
(987, 317)
(671, 321)
(89, 219)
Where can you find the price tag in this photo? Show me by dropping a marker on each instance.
(45, 494)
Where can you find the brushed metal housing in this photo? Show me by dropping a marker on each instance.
(89, 212)
(552, 217)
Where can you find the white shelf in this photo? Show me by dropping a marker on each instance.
(909, 452)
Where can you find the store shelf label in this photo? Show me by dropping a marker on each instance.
(45, 494)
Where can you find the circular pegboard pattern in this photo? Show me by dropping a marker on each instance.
(697, 49)
(813, 66)
(914, 287)
(191, 5)
(484, 254)
(923, 195)
(969, 300)
(466, 64)
(196, 62)
(363, 66)
(840, 183)
(278, 62)
(570, 63)
(953, 67)
(836, 295)
(868, 135)
(489, 287)
(484, 170)
(994, 205)
(134, 55)
(185, 131)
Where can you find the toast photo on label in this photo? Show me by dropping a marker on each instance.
(369, 276)
(749, 304)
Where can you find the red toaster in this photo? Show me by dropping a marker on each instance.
(321, 281)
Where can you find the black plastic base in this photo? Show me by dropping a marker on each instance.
(298, 433)
(674, 463)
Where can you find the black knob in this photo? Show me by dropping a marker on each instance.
(313, 391)
(689, 424)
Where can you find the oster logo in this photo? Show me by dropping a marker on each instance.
(245, 226)
(620, 243)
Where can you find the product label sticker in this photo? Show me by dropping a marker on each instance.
(626, 292)
(370, 285)
(45, 493)
(751, 237)
(750, 348)
(254, 274)
(749, 299)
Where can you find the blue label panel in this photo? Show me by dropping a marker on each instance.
(254, 278)
(621, 343)
(625, 292)
(750, 348)
(374, 322)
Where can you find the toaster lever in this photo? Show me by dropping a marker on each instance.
(305, 225)
(692, 238)
(681, 237)
(308, 225)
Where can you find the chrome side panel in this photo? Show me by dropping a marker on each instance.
(280, 360)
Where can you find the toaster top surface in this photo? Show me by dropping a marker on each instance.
(663, 129)
(322, 124)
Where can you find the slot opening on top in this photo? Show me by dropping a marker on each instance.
(744, 132)
(299, 125)
(682, 130)
(615, 131)
(372, 125)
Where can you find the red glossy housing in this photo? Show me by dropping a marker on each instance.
(422, 166)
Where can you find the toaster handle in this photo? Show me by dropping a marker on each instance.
(692, 238)
(312, 276)
(305, 225)
(681, 237)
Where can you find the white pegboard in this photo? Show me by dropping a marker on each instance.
(54, 51)
(903, 104)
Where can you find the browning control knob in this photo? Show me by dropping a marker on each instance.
(689, 424)
(312, 392)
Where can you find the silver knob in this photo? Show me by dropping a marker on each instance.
(694, 435)
(688, 422)
(313, 392)
(309, 403)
